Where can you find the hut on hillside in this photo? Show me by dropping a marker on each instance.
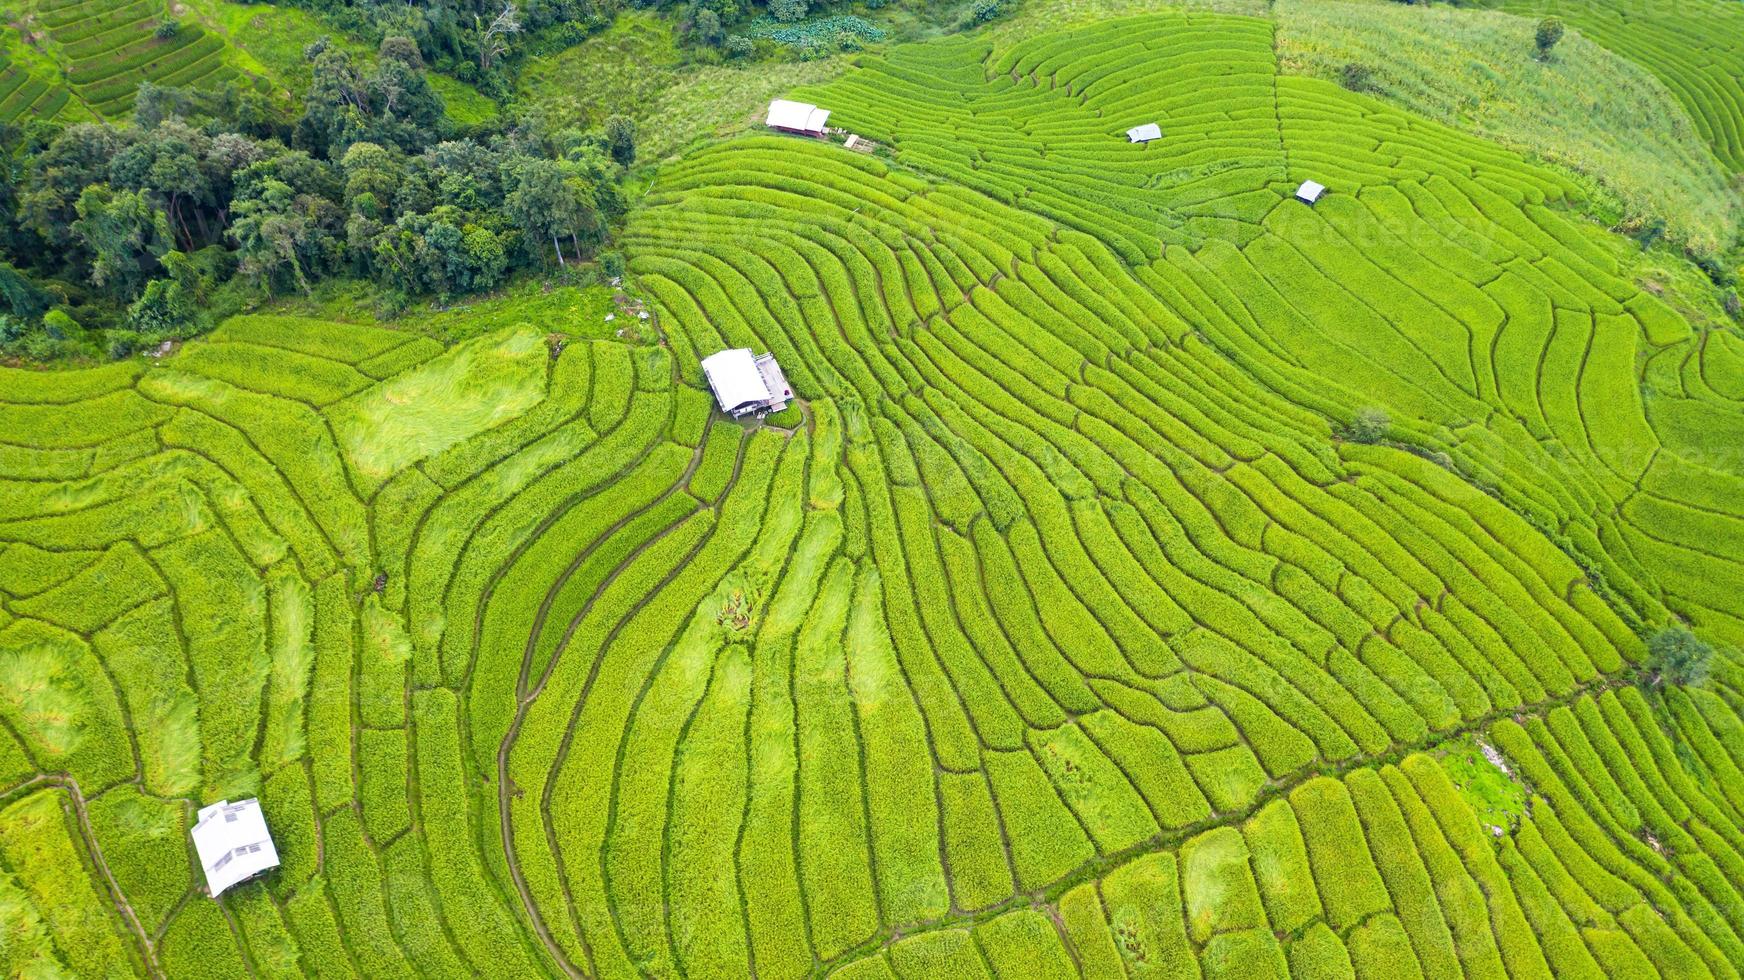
(1145, 133)
(796, 117)
(233, 844)
(746, 383)
(1309, 192)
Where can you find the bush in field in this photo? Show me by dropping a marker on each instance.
(1650, 232)
(707, 28)
(1678, 657)
(985, 10)
(1356, 76)
(1548, 34)
(1368, 426)
(60, 325)
(787, 10)
(621, 139)
(163, 309)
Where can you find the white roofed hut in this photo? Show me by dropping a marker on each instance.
(1145, 133)
(746, 383)
(797, 117)
(1309, 192)
(233, 844)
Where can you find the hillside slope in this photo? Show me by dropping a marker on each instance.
(1070, 630)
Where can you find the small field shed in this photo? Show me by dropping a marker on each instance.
(233, 843)
(797, 117)
(1310, 192)
(1145, 133)
(746, 383)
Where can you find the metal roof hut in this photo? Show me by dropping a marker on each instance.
(746, 383)
(1309, 192)
(233, 844)
(797, 117)
(1145, 133)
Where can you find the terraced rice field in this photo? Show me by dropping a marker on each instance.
(109, 47)
(1064, 636)
(24, 96)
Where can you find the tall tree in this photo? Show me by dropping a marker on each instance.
(74, 160)
(126, 236)
(493, 38)
(169, 162)
(552, 199)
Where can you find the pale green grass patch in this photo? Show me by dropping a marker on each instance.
(574, 310)
(1495, 796)
(39, 693)
(465, 105)
(293, 655)
(476, 386)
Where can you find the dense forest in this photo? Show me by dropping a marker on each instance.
(122, 236)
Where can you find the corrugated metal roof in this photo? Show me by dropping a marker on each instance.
(801, 116)
(775, 381)
(233, 844)
(735, 378)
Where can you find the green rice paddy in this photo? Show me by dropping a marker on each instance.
(1064, 630)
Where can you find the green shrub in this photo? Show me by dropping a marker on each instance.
(983, 11)
(1369, 425)
(1547, 34)
(1678, 657)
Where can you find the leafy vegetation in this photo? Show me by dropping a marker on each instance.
(122, 238)
(1677, 656)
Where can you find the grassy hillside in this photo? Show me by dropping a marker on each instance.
(1690, 46)
(635, 68)
(1588, 109)
(1161, 576)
